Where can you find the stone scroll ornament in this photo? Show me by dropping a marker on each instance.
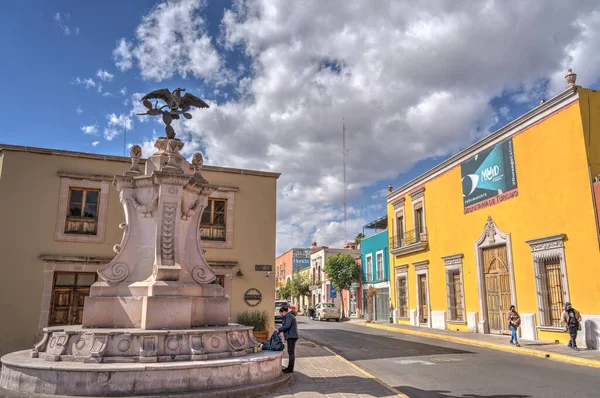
(175, 105)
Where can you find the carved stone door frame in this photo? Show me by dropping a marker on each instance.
(491, 236)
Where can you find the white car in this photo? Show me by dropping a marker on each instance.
(327, 311)
(281, 303)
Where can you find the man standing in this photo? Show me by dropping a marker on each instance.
(571, 320)
(289, 327)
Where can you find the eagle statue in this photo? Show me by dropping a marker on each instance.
(175, 105)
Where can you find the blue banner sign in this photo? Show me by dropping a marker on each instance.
(332, 292)
(299, 263)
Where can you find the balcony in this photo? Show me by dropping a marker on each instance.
(408, 242)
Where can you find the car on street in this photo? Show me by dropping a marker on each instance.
(327, 311)
(278, 305)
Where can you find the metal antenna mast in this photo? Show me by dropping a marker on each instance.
(345, 196)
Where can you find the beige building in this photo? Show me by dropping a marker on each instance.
(60, 221)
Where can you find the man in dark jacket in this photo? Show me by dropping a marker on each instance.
(289, 327)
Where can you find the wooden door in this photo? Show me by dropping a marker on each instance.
(61, 306)
(423, 313)
(68, 296)
(497, 287)
(458, 298)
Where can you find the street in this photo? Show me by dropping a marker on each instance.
(429, 368)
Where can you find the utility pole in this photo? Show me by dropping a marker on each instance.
(345, 194)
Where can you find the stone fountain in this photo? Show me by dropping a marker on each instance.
(154, 322)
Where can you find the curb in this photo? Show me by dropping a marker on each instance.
(523, 351)
(360, 370)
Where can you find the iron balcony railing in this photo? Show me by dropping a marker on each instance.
(408, 238)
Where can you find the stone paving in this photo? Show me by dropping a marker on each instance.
(320, 373)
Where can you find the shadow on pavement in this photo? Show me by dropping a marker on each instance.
(413, 392)
(356, 346)
(315, 386)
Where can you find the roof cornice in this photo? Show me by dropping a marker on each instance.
(538, 113)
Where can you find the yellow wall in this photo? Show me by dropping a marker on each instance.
(554, 197)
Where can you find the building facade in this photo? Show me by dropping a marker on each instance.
(296, 260)
(374, 256)
(61, 219)
(510, 220)
(324, 291)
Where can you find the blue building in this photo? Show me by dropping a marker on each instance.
(374, 256)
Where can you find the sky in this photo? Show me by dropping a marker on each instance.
(412, 85)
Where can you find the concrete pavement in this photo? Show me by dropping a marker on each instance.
(428, 368)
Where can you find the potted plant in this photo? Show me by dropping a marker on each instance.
(259, 321)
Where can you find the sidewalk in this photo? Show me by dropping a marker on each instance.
(539, 348)
(320, 372)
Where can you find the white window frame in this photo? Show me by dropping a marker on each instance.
(69, 181)
(227, 193)
(422, 268)
(378, 269)
(402, 273)
(399, 210)
(453, 264)
(369, 269)
(417, 197)
(542, 249)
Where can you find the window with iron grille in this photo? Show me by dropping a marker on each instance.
(455, 297)
(379, 265)
(82, 214)
(402, 297)
(552, 292)
(213, 221)
(369, 267)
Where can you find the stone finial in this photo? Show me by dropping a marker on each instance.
(172, 150)
(390, 188)
(197, 162)
(571, 78)
(135, 153)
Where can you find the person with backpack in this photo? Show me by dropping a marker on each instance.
(571, 321)
(514, 321)
(289, 327)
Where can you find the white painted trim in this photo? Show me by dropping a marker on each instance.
(492, 236)
(367, 257)
(554, 104)
(453, 263)
(544, 248)
(422, 268)
(419, 199)
(377, 278)
(402, 272)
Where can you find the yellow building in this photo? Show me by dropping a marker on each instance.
(50, 255)
(510, 220)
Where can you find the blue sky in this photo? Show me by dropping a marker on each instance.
(413, 85)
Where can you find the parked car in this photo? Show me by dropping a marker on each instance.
(281, 303)
(327, 311)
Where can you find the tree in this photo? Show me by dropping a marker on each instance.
(359, 238)
(285, 291)
(342, 271)
(299, 285)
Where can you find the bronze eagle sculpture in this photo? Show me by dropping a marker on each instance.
(176, 105)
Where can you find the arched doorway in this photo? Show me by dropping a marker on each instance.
(497, 287)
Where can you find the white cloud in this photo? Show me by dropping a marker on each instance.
(170, 41)
(79, 110)
(110, 133)
(95, 143)
(122, 55)
(122, 120)
(123, 91)
(77, 30)
(100, 87)
(87, 82)
(379, 194)
(60, 21)
(91, 129)
(104, 75)
(411, 83)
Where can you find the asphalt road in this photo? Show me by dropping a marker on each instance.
(429, 368)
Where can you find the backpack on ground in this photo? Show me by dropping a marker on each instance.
(274, 343)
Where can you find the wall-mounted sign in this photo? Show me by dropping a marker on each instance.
(253, 297)
(490, 177)
(259, 267)
(299, 263)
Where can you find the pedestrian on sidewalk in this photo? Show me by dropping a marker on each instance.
(289, 327)
(514, 321)
(571, 321)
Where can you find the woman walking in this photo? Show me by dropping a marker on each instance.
(514, 321)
